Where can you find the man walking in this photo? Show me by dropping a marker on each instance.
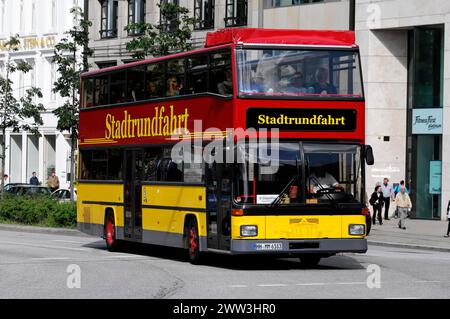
(403, 204)
(388, 192)
(53, 182)
(34, 180)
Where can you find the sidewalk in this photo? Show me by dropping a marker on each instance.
(38, 229)
(422, 234)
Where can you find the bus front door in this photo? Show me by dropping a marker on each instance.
(218, 207)
(133, 198)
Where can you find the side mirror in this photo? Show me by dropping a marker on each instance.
(369, 155)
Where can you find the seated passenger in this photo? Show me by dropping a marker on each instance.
(152, 90)
(297, 84)
(320, 179)
(258, 85)
(322, 86)
(172, 87)
(226, 87)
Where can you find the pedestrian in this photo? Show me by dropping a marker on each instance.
(388, 193)
(53, 182)
(376, 200)
(34, 180)
(396, 191)
(5, 181)
(448, 216)
(403, 205)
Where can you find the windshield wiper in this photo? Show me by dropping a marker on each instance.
(334, 203)
(277, 200)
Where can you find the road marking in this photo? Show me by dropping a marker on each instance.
(50, 258)
(349, 283)
(45, 246)
(427, 281)
(312, 284)
(69, 241)
(272, 285)
(238, 286)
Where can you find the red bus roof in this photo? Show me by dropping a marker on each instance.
(280, 36)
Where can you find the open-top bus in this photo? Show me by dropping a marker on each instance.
(283, 109)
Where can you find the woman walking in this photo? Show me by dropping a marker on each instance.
(448, 216)
(376, 200)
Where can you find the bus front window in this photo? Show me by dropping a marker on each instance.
(301, 73)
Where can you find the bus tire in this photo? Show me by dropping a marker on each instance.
(310, 261)
(110, 233)
(193, 241)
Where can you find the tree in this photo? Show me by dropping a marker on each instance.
(172, 34)
(17, 114)
(70, 56)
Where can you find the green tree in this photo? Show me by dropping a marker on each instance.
(70, 56)
(17, 114)
(172, 34)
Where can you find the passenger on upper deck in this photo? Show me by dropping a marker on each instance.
(322, 86)
(172, 87)
(226, 86)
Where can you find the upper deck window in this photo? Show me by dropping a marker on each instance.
(291, 73)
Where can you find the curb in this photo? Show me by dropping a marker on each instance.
(45, 230)
(400, 245)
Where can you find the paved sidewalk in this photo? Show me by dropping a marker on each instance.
(37, 229)
(423, 234)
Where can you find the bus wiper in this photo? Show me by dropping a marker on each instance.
(334, 203)
(277, 200)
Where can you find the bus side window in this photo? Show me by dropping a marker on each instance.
(152, 160)
(117, 87)
(220, 77)
(175, 78)
(197, 75)
(88, 92)
(101, 90)
(154, 85)
(135, 84)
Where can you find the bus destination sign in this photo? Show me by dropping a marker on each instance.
(302, 119)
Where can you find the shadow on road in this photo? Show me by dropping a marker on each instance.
(344, 262)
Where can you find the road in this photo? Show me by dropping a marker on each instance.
(35, 265)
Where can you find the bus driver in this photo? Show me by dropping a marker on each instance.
(320, 179)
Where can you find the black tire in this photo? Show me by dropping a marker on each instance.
(310, 261)
(193, 242)
(110, 233)
(368, 224)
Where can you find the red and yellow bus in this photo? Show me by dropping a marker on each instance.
(276, 120)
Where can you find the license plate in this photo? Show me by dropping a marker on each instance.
(268, 246)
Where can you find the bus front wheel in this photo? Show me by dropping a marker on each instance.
(110, 233)
(193, 241)
(309, 261)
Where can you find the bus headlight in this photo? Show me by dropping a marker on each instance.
(249, 230)
(356, 229)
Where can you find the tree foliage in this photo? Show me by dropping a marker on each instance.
(172, 34)
(70, 66)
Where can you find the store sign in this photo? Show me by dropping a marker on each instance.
(427, 121)
(435, 177)
(31, 43)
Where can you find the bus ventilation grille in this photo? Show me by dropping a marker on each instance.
(303, 245)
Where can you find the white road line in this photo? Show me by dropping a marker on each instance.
(238, 286)
(50, 258)
(70, 241)
(312, 284)
(44, 246)
(272, 285)
(427, 281)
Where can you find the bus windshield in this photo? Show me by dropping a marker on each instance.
(299, 73)
(300, 173)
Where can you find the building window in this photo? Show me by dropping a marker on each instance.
(166, 22)
(236, 13)
(285, 3)
(108, 26)
(204, 14)
(2, 16)
(33, 16)
(136, 14)
(107, 64)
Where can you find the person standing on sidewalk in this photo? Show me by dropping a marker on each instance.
(388, 192)
(53, 182)
(403, 205)
(448, 216)
(376, 200)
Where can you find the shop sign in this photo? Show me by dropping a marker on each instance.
(435, 177)
(427, 121)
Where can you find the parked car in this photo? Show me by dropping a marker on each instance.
(7, 187)
(27, 189)
(63, 194)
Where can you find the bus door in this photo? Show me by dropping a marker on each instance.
(133, 197)
(218, 207)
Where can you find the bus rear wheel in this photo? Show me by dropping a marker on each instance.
(110, 233)
(193, 242)
(310, 261)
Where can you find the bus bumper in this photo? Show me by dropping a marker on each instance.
(298, 247)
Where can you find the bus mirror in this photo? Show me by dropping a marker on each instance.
(369, 155)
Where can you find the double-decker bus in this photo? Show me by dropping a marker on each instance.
(283, 110)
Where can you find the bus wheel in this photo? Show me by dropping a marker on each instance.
(193, 242)
(310, 261)
(110, 233)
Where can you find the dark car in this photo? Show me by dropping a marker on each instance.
(7, 187)
(26, 189)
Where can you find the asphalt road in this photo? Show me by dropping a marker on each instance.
(36, 265)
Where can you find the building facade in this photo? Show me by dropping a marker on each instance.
(405, 48)
(40, 24)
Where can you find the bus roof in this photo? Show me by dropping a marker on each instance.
(280, 36)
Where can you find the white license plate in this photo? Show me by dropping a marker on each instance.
(268, 246)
